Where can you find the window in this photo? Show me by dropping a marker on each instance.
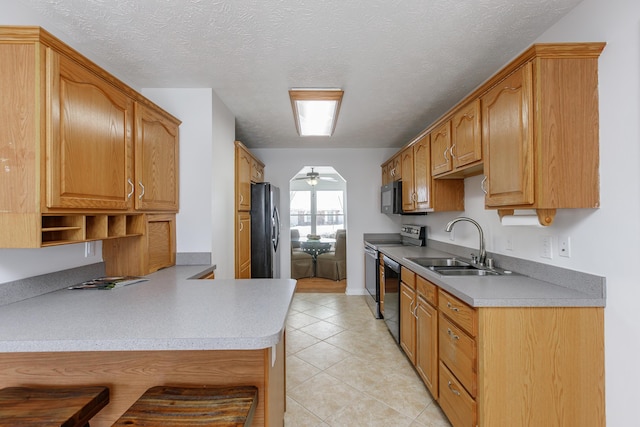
(316, 211)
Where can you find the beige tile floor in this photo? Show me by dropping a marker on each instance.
(344, 369)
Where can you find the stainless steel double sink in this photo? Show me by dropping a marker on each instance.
(455, 267)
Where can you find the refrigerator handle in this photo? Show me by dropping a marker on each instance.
(275, 223)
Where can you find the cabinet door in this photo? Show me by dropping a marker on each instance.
(427, 345)
(422, 173)
(257, 171)
(408, 322)
(440, 145)
(156, 154)
(507, 132)
(243, 180)
(385, 174)
(466, 137)
(243, 246)
(395, 168)
(89, 139)
(408, 193)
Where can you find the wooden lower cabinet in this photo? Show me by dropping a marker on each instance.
(419, 326)
(457, 404)
(541, 366)
(408, 321)
(427, 344)
(505, 366)
(243, 245)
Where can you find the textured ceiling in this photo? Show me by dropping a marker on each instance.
(401, 63)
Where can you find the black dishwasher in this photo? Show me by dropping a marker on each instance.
(392, 296)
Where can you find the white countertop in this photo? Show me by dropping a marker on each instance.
(494, 291)
(168, 312)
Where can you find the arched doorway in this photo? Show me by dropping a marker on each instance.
(318, 229)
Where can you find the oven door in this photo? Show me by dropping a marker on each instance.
(371, 280)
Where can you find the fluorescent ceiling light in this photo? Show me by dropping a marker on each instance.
(315, 110)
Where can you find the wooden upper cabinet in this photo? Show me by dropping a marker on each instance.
(156, 160)
(408, 186)
(89, 139)
(440, 149)
(243, 178)
(508, 134)
(395, 168)
(385, 174)
(422, 173)
(540, 131)
(257, 171)
(67, 144)
(466, 136)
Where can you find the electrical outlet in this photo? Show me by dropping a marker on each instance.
(564, 246)
(546, 247)
(508, 243)
(89, 249)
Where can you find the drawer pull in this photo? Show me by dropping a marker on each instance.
(452, 335)
(452, 308)
(453, 390)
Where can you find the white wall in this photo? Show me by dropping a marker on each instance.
(207, 136)
(604, 241)
(361, 170)
(223, 202)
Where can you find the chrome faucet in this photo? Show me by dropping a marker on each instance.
(483, 254)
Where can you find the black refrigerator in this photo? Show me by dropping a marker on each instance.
(265, 231)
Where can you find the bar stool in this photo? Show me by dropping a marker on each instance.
(165, 406)
(51, 406)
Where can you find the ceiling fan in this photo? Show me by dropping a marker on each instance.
(313, 177)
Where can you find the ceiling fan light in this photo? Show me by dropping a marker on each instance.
(315, 110)
(312, 181)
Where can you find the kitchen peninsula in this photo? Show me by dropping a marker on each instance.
(168, 330)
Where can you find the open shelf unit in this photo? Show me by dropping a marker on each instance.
(71, 228)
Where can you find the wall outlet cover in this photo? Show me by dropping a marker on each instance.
(564, 246)
(546, 247)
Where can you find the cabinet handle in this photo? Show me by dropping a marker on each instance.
(241, 199)
(411, 305)
(241, 226)
(452, 335)
(453, 390)
(451, 151)
(446, 159)
(452, 308)
(415, 311)
(414, 197)
(483, 185)
(141, 194)
(133, 188)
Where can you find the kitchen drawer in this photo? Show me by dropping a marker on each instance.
(459, 352)
(408, 277)
(454, 400)
(462, 314)
(427, 290)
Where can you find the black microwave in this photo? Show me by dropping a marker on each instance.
(391, 198)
